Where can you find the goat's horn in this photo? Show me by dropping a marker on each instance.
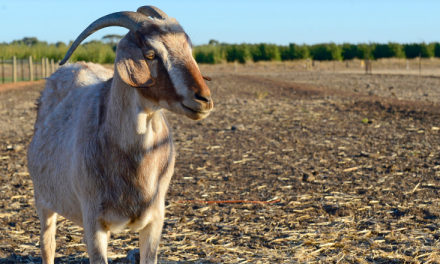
(152, 11)
(129, 20)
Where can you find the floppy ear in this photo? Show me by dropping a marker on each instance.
(131, 65)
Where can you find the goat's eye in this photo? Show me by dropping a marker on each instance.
(151, 56)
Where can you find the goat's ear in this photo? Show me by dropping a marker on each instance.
(131, 65)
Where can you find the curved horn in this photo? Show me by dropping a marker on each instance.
(152, 11)
(129, 20)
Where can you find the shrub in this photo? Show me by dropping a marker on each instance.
(390, 50)
(349, 51)
(265, 52)
(326, 51)
(94, 51)
(240, 53)
(364, 51)
(208, 54)
(414, 50)
(436, 49)
(285, 53)
(294, 51)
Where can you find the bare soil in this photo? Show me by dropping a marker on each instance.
(354, 174)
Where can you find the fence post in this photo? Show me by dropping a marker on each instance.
(3, 69)
(48, 72)
(52, 65)
(420, 64)
(367, 66)
(47, 68)
(22, 71)
(46, 63)
(14, 69)
(43, 68)
(235, 66)
(31, 69)
(36, 70)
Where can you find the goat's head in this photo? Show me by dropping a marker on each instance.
(156, 58)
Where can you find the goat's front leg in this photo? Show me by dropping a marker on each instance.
(95, 237)
(149, 239)
(48, 220)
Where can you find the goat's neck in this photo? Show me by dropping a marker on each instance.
(131, 120)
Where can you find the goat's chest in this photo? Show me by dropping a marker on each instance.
(137, 190)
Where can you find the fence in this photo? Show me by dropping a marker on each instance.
(17, 70)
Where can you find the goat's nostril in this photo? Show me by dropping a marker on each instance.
(202, 98)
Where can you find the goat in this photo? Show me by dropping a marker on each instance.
(102, 154)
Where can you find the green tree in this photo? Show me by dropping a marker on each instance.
(349, 51)
(326, 51)
(240, 53)
(208, 54)
(365, 51)
(436, 49)
(265, 52)
(213, 42)
(413, 50)
(298, 51)
(112, 38)
(390, 50)
(30, 41)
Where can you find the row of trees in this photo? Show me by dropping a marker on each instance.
(215, 52)
(95, 51)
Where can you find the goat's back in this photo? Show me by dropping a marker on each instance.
(68, 78)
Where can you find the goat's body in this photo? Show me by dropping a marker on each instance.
(107, 159)
(102, 153)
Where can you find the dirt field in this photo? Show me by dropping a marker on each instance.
(351, 163)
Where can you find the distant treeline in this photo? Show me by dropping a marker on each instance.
(95, 51)
(215, 52)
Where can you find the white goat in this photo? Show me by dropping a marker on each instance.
(102, 154)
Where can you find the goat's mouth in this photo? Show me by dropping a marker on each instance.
(195, 114)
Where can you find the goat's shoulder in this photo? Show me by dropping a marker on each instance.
(72, 82)
(76, 76)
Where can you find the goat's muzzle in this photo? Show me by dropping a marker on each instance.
(198, 107)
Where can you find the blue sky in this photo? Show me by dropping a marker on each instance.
(275, 21)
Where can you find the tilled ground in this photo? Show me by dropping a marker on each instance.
(352, 175)
(394, 86)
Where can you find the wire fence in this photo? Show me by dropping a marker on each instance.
(14, 70)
